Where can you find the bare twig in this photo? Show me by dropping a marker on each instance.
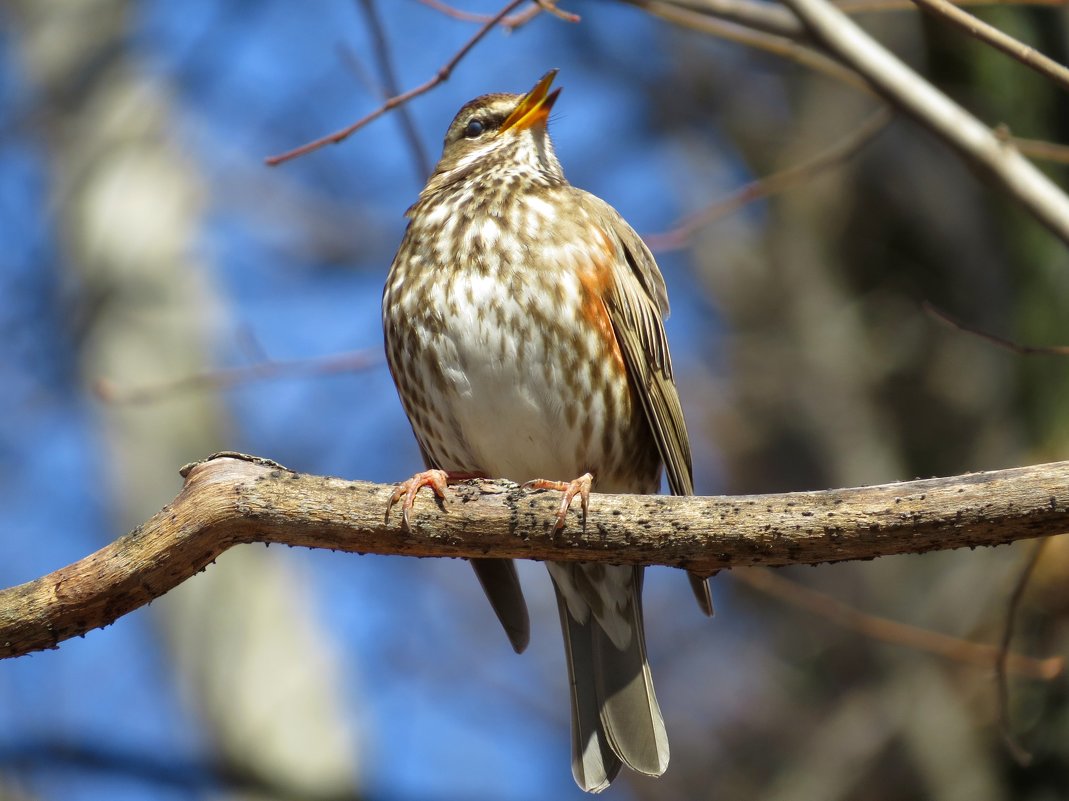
(973, 140)
(1024, 350)
(1046, 151)
(550, 6)
(1019, 753)
(440, 76)
(235, 499)
(866, 6)
(989, 34)
(775, 30)
(509, 23)
(758, 15)
(221, 379)
(389, 82)
(781, 46)
(362, 73)
(679, 236)
(895, 632)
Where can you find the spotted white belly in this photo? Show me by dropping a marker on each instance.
(507, 374)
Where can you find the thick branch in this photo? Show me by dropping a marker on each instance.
(229, 500)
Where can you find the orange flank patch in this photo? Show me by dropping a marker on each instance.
(596, 277)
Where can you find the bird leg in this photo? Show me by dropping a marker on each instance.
(580, 486)
(436, 479)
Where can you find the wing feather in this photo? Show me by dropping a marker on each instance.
(638, 305)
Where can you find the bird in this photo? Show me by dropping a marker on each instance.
(523, 322)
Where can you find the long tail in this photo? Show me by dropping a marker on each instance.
(615, 717)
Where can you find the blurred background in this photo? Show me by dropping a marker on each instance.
(144, 242)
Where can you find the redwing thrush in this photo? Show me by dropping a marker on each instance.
(523, 326)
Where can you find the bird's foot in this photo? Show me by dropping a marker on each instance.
(437, 480)
(580, 486)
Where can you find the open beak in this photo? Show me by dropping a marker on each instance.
(535, 106)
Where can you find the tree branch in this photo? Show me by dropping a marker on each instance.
(900, 85)
(393, 102)
(884, 629)
(231, 499)
(680, 235)
(391, 87)
(266, 369)
(989, 34)
(760, 15)
(731, 30)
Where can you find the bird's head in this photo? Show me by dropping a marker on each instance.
(501, 133)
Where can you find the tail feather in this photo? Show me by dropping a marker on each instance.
(630, 715)
(615, 716)
(594, 765)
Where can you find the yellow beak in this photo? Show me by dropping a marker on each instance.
(535, 106)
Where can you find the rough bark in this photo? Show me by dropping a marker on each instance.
(234, 499)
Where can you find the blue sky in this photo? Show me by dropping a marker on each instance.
(249, 80)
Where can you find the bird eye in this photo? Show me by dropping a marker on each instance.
(474, 128)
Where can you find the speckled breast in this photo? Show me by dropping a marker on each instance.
(503, 353)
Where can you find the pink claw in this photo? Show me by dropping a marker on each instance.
(437, 480)
(580, 486)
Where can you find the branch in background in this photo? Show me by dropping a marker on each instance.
(728, 21)
(781, 46)
(440, 76)
(1019, 753)
(900, 85)
(758, 15)
(897, 633)
(391, 88)
(164, 773)
(680, 236)
(350, 362)
(1038, 149)
(867, 6)
(989, 34)
(508, 23)
(232, 499)
(1024, 350)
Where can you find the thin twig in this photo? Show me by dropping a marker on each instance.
(362, 73)
(977, 144)
(749, 23)
(989, 34)
(679, 236)
(759, 15)
(781, 46)
(391, 103)
(350, 362)
(389, 80)
(866, 6)
(509, 23)
(1039, 149)
(1019, 753)
(1008, 344)
(550, 7)
(896, 632)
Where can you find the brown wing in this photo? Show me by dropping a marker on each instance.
(638, 305)
(636, 302)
